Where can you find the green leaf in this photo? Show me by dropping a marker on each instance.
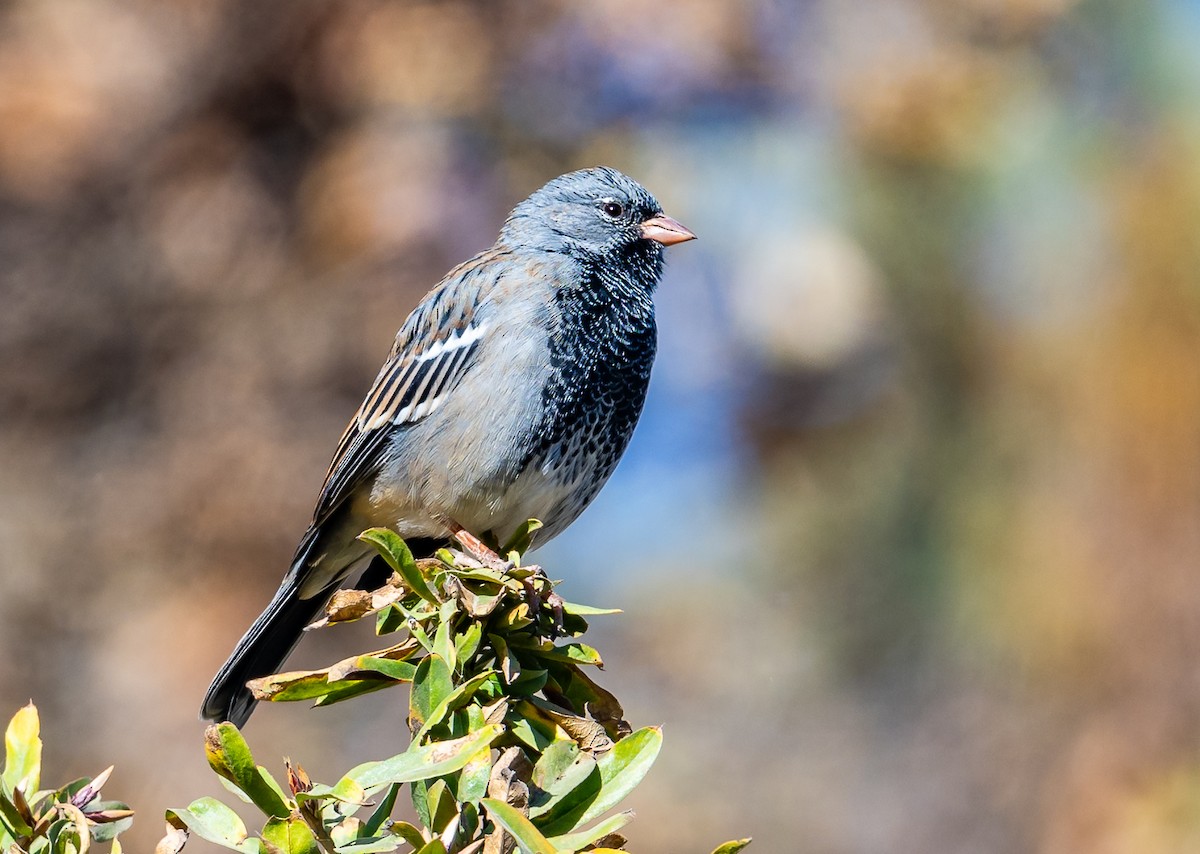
(290, 836)
(412, 622)
(528, 683)
(479, 592)
(554, 762)
(234, 790)
(291, 686)
(409, 833)
(587, 610)
(432, 683)
(474, 777)
(443, 642)
(382, 812)
(296, 685)
(466, 644)
(469, 823)
(441, 806)
(210, 819)
(23, 751)
(229, 756)
(425, 762)
(732, 847)
(399, 557)
(420, 801)
(527, 724)
(400, 671)
(576, 653)
(346, 690)
(619, 771)
(391, 662)
(390, 619)
(561, 768)
(434, 846)
(345, 791)
(518, 826)
(457, 698)
(343, 832)
(582, 839)
(522, 538)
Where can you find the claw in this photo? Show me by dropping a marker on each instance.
(531, 594)
(556, 608)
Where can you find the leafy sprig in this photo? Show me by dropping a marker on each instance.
(513, 743)
(66, 820)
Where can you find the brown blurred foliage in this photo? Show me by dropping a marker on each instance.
(940, 336)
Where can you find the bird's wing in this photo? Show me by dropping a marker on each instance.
(433, 350)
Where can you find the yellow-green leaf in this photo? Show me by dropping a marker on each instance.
(399, 557)
(522, 538)
(23, 751)
(582, 839)
(528, 838)
(427, 762)
(619, 771)
(229, 756)
(210, 819)
(290, 836)
(433, 682)
(588, 610)
(457, 698)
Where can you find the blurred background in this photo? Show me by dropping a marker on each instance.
(908, 539)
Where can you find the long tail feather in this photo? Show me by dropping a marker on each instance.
(267, 644)
(261, 651)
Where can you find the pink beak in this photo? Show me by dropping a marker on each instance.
(662, 229)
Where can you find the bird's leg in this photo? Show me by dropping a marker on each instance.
(477, 549)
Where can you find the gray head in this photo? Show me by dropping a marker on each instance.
(598, 212)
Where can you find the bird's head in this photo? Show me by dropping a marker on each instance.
(598, 211)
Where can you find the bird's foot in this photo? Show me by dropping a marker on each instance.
(537, 601)
(555, 603)
(478, 550)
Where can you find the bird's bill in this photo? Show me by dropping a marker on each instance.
(662, 229)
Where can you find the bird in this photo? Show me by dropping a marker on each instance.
(511, 392)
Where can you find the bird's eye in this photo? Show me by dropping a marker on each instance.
(612, 209)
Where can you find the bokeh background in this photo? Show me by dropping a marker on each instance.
(909, 538)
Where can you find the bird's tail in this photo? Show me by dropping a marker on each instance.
(260, 652)
(264, 648)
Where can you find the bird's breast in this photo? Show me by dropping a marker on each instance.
(534, 431)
